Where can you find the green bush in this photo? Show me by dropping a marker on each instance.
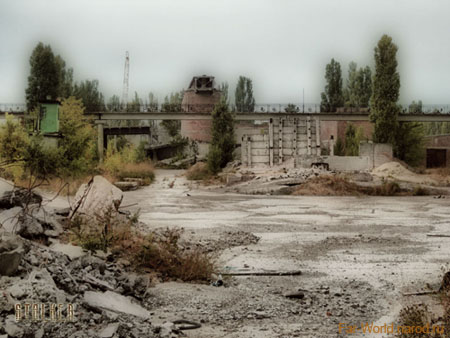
(214, 159)
(222, 144)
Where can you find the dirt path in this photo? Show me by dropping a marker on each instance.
(358, 255)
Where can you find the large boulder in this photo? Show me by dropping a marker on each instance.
(96, 198)
(11, 252)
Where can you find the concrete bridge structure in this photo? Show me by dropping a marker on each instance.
(102, 117)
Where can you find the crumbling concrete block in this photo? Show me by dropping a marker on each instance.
(126, 186)
(112, 301)
(96, 197)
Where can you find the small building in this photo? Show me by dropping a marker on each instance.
(437, 151)
(200, 97)
(49, 117)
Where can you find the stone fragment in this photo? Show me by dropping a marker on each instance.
(296, 295)
(109, 331)
(112, 301)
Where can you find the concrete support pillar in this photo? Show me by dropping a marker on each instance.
(280, 141)
(249, 151)
(308, 133)
(294, 139)
(271, 142)
(294, 142)
(331, 143)
(318, 149)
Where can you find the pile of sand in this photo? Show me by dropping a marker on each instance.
(395, 171)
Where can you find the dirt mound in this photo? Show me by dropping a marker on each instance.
(396, 171)
(328, 185)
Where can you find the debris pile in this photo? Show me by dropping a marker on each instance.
(394, 170)
(90, 294)
(271, 182)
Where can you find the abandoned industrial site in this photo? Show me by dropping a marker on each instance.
(219, 168)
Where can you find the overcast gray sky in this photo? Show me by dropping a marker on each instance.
(283, 45)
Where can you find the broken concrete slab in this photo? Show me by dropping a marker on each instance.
(112, 301)
(69, 250)
(127, 186)
(11, 252)
(96, 197)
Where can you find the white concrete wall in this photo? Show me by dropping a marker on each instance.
(347, 163)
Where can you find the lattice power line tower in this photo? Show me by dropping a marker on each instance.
(126, 73)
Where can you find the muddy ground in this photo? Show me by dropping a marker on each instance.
(358, 256)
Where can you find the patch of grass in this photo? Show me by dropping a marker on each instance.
(387, 188)
(420, 191)
(416, 315)
(143, 170)
(163, 254)
(198, 172)
(156, 252)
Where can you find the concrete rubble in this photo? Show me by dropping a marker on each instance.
(107, 300)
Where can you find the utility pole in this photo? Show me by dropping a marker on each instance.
(125, 81)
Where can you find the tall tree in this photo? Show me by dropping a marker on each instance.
(332, 97)
(415, 107)
(135, 104)
(113, 103)
(364, 87)
(44, 79)
(244, 100)
(222, 143)
(350, 91)
(152, 102)
(353, 137)
(385, 94)
(90, 95)
(78, 144)
(65, 78)
(224, 91)
(409, 145)
(172, 103)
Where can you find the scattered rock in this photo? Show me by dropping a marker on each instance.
(109, 331)
(167, 329)
(70, 250)
(295, 295)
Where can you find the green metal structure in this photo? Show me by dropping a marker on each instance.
(49, 121)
